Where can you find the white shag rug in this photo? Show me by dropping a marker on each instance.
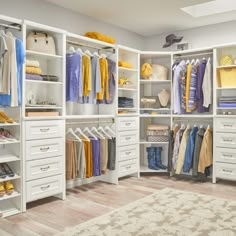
(167, 212)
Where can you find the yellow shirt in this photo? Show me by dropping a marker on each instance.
(188, 79)
(104, 80)
(88, 158)
(86, 75)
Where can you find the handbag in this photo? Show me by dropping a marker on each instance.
(41, 42)
(150, 102)
(157, 133)
(159, 72)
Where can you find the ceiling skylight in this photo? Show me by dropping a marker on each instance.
(210, 8)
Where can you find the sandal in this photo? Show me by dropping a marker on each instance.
(3, 173)
(9, 187)
(9, 172)
(2, 190)
(7, 119)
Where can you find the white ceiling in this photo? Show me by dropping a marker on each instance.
(145, 17)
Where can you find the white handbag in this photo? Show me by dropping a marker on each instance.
(41, 42)
(159, 72)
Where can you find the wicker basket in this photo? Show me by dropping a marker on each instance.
(157, 133)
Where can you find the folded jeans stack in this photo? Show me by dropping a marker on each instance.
(126, 102)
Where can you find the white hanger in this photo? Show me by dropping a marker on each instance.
(182, 126)
(188, 62)
(209, 59)
(197, 61)
(103, 56)
(71, 132)
(104, 132)
(71, 49)
(87, 52)
(87, 130)
(79, 50)
(96, 54)
(94, 129)
(107, 128)
(208, 126)
(192, 61)
(79, 131)
(201, 126)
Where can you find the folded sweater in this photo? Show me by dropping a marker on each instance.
(124, 64)
(32, 63)
(101, 37)
(33, 70)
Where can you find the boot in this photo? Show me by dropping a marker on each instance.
(158, 158)
(151, 158)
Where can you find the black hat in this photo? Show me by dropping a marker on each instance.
(171, 39)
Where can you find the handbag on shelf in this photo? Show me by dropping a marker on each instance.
(159, 72)
(150, 102)
(157, 133)
(41, 42)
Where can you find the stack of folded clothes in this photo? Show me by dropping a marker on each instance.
(101, 37)
(33, 70)
(125, 102)
(124, 64)
(227, 102)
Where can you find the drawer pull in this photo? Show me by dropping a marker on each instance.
(127, 153)
(128, 167)
(45, 168)
(227, 172)
(127, 124)
(44, 149)
(228, 125)
(128, 138)
(45, 187)
(228, 156)
(44, 130)
(228, 140)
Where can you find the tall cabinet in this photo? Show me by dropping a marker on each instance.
(43, 114)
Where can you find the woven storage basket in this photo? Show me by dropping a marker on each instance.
(157, 133)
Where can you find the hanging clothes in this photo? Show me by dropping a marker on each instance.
(170, 149)
(71, 160)
(207, 86)
(188, 79)
(3, 50)
(86, 75)
(111, 82)
(111, 164)
(88, 158)
(104, 155)
(96, 156)
(81, 160)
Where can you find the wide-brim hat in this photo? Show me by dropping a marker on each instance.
(171, 39)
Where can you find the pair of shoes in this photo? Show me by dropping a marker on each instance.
(6, 188)
(4, 118)
(5, 171)
(5, 135)
(154, 158)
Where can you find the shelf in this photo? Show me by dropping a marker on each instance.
(10, 178)
(127, 108)
(142, 141)
(9, 124)
(225, 116)
(193, 116)
(142, 81)
(9, 142)
(8, 209)
(13, 195)
(226, 108)
(156, 115)
(145, 169)
(155, 109)
(43, 82)
(43, 118)
(43, 55)
(71, 117)
(127, 69)
(127, 89)
(41, 108)
(226, 67)
(128, 114)
(8, 157)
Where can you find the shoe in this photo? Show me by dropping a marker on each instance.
(7, 119)
(3, 173)
(9, 172)
(9, 187)
(158, 158)
(2, 189)
(151, 158)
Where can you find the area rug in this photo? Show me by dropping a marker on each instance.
(165, 213)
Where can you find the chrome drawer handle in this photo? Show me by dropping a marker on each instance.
(128, 167)
(45, 168)
(227, 171)
(128, 138)
(45, 130)
(127, 153)
(228, 140)
(45, 187)
(44, 149)
(228, 156)
(228, 125)
(127, 124)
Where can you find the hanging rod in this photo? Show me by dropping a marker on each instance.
(193, 55)
(90, 122)
(13, 26)
(90, 46)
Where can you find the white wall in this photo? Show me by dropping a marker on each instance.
(49, 14)
(199, 37)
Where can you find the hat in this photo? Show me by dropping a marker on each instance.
(171, 39)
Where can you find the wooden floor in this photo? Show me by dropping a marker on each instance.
(49, 216)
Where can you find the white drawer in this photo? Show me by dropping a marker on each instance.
(44, 129)
(225, 155)
(128, 152)
(225, 125)
(225, 171)
(225, 140)
(127, 123)
(127, 138)
(45, 148)
(128, 167)
(46, 187)
(43, 168)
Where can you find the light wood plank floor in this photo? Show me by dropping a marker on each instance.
(49, 216)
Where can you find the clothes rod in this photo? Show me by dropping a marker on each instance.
(90, 46)
(193, 55)
(13, 26)
(90, 122)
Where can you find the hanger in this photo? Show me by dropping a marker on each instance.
(192, 61)
(79, 50)
(71, 49)
(209, 59)
(103, 56)
(87, 130)
(182, 126)
(94, 129)
(96, 54)
(87, 52)
(201, 126)
(188, 62)
(208, 127)
(197, 61)
(104, 132)
(195, 125)
(71, 132)
(107, 128)
(79, 131)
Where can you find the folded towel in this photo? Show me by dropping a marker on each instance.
(32, 63)
(33, 77)
(101, 37)
(125, 64)
(33, 70)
